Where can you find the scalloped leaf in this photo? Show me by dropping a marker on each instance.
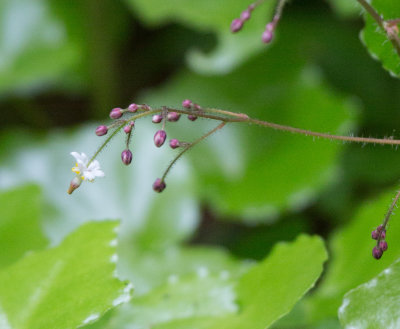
(257, 299)
(374, 304)
(66, 286)
(211, 16)
(20, 230)
(375, 38)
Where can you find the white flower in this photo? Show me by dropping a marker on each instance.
(85, 171)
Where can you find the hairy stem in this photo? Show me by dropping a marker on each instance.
(387, 216)
(189, 146)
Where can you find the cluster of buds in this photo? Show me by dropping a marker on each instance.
(88, 169)
(379, 234)
(268, 34)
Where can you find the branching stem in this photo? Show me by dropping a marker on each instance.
(189, 146)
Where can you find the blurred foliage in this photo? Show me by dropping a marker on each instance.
(20, 230)
(39, 290)
(232, 198)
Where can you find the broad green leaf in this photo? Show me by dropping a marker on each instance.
(270, 289)
(345, 8)
(352, 261)
(375, 38)
(249, 158)
(211, 16)
(174, 262)
(66, 286)
(20, 229)
(198, 295)
(153, 220)
(34, 46)
(374, 304)
(258, 298)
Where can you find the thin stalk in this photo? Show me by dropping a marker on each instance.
(189, 146)
(387, 216)
(114, 133)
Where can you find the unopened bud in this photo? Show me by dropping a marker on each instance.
(174, 143)
(126, 157)
(192, 117)
(270, 27)
(159, 138)
(267, 36)
(187, 103)
(375, 235)
(127, 128)
(133, 108)
(157, 118)
(101, 130)
(377, 252)
(173, 116)
(245, 15)
(116, 113)
(236, 25)
(75, 183)
(383, 245)
(159, 185)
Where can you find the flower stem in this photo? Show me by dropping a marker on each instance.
(114, 133)
(189, 146)
(387, 216)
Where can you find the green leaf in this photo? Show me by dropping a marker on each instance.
(345, 8)
(374, 304)
(20, 229)
(174, 262)
(212, 299)
(375, 38)
(352, 261)
(211, 16)
(66, 286)
(34, 46)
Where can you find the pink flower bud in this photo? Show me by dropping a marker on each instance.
(192, 117)
(101, 130)
(377, 252)
(159, 185)
(127, 128)
(245, 15)
(270, 27)
(187, 103)
(375, 234)
(159, 138)
(267, 36)
(236, 25)
(157, 118)
(383, 245)
(174, 143)
(126, 157)
(116, 113)
(133, 108)
(173, 116)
